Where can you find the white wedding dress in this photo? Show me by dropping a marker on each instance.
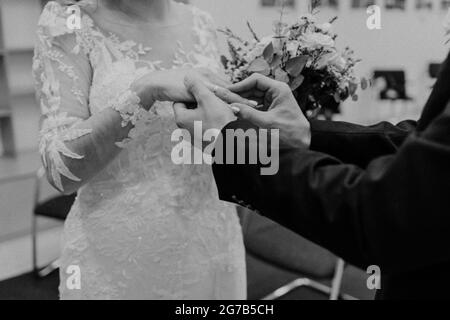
(143, 228)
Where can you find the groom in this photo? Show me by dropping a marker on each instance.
(373, 195)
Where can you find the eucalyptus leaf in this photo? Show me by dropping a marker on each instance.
(281, 75)
(297, 82)
(269, 52)
(276, 61)
(296, 65)
(259, 66)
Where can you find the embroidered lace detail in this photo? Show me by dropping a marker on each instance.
(58, 126)
(206, 53)
(128, 105)
(142, 228)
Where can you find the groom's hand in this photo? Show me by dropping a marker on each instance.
(211, 112)
(282, 111)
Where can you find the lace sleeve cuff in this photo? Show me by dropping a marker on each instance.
(128, 105)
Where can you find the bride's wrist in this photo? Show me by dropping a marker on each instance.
(145, 94)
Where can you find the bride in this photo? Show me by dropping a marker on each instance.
(141, 227)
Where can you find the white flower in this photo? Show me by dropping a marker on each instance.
(324, 61)
(339, 62)
(314, 40)
(259, 48)
(326, 27)
(266, 40)
(332, 59)
(292, 47)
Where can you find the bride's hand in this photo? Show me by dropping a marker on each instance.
(168, 85)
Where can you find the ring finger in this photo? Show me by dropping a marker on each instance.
(228, 96)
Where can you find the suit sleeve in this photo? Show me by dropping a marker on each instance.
(342, 139)
(394, 214)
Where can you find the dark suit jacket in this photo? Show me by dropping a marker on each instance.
(373, 195)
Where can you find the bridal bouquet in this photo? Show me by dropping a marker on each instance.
(303, 55)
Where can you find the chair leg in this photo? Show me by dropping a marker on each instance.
(40, 273)
(305, 283)
(34, 244)
(48, 269)
(337, 280)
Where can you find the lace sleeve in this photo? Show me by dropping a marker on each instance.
(63, 77)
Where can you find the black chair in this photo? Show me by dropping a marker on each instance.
(317, 268)
(56, 208)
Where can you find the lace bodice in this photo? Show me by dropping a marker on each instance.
(143, 227)
(80, 72)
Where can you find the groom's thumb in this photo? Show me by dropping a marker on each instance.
(198, 89)
(245, 112)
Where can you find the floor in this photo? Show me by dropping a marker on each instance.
(15, 254)
(17, 193)
(29, 287)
